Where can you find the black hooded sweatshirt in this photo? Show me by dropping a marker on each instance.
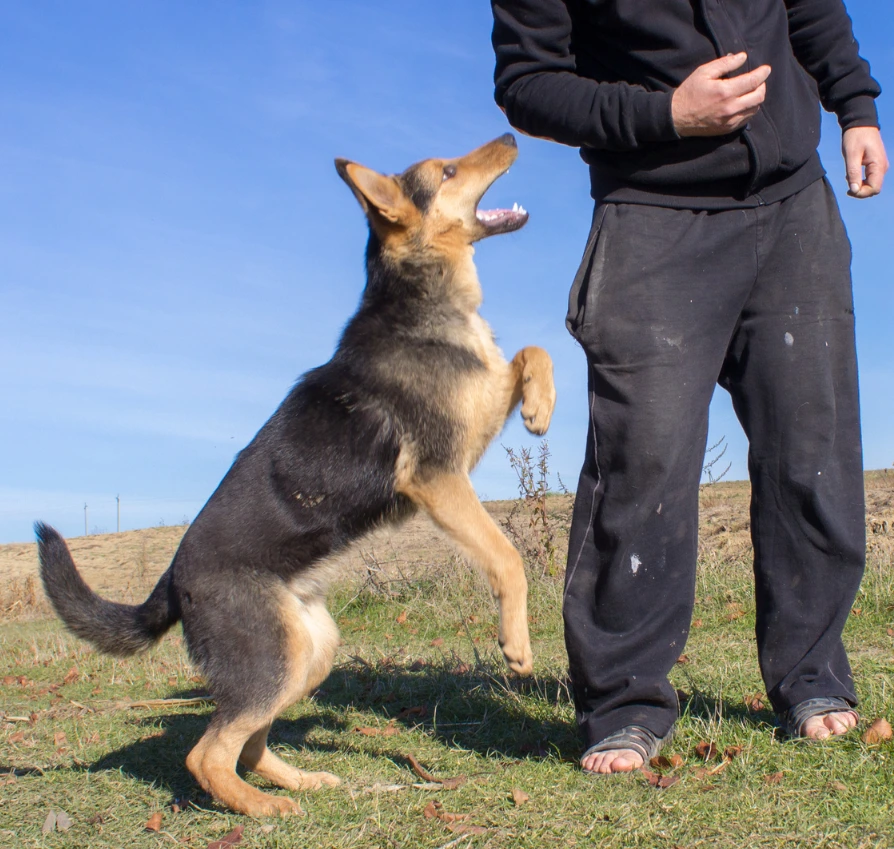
(599, 74)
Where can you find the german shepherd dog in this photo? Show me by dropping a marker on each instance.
(394, 422)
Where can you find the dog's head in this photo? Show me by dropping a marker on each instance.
(434, 203)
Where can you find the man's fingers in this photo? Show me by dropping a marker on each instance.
(858, 185)
(875, 176)
(752, 100)
(745, 83)
(717, 68)
(854, 174)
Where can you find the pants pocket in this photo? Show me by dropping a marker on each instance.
(577, 297)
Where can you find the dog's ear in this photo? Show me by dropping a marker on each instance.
(374, 191)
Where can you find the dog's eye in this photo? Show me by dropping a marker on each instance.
(449, 171)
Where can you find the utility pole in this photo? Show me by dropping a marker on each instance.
(85, 518)
(118, 500)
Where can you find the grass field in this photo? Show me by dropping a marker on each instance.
(419, 678)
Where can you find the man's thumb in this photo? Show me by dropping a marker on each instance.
(718, 68)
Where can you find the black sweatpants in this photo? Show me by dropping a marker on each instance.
(667, 303)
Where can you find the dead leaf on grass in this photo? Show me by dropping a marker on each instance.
(755, 702)
(17, 737)
(231, 839)
(734, 611)
(706, 751)
(437, 641)
(435, 810)
(683, 659)
(63, 821)
(71, 676)
(731, 752)
(660, 781)
(878, 731)
(401, 618)
(59, 739)
(774, 778)
(837, 786)
(49, 824)
(154, 822)
(652, 777)
(416, 710)
(519, 796)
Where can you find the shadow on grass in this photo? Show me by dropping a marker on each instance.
(498, 718)
(478, 710)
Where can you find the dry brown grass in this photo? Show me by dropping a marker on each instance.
(125, 566)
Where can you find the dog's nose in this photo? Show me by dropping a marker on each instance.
(508, 139)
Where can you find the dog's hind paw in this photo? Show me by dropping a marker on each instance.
(318, 780)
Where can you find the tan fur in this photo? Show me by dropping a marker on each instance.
(451, 502)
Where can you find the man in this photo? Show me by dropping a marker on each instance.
(716, 255)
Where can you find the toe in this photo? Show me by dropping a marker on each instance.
(816, 729)
(612, 761)
(831, 724)
(840, 723)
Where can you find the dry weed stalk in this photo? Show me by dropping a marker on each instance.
(529, 525)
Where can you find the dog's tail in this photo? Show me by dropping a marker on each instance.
(113, 628)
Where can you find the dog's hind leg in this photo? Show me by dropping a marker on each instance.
(274, 670)
(452, 503)
(313, 663)
(213, 763)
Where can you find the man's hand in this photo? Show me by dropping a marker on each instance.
(863, 148)
(707, 104)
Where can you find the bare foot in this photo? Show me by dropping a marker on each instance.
(613, 760)
(829, 725)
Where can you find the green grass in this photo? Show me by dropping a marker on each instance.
(432, 684)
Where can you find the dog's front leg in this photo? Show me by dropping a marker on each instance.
(531, 382)
(452, 503)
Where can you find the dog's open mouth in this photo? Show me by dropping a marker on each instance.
(502, 220)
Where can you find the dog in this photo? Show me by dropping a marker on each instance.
(392, 424)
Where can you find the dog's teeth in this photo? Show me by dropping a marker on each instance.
(522, 210)
(515, 207)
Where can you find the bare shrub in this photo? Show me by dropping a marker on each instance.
(530, 526)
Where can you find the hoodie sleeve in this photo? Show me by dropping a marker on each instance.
(822, 38)
(537, 86)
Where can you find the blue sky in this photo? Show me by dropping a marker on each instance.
(176, 247)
